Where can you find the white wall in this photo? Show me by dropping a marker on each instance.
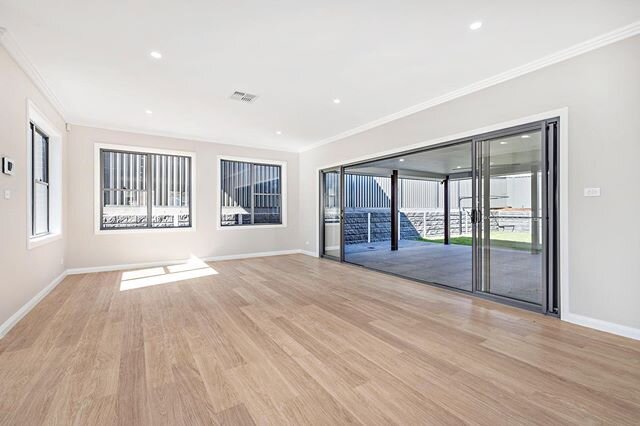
(23, 272)
(86, 249)
(602, 92)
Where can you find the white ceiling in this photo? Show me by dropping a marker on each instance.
(512, 153)
(297, 55)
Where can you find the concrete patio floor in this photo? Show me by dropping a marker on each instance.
(514, 273)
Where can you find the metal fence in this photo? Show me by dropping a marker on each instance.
(125, 179)
(250, 193)
(374, 192)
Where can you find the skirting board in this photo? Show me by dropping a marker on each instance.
(620, 330)
(24, 310)
(123, 267)
(609, 327)
(250, 255)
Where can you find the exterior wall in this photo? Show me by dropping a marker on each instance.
(88, 249)
(24, 272)
(601, 90)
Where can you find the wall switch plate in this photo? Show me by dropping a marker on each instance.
(592, 192)
(8, 165)
(7, 194)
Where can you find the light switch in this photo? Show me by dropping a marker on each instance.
(7, 194)
(592, 192)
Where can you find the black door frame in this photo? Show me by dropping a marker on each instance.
(550, 207)
(339, 171)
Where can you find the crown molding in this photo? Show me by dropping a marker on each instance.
(14, 50)
(562, 55)
(23, 61)
(173, 135)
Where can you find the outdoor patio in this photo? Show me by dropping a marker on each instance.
(514, 273)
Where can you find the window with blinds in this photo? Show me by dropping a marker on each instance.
(144, 190)
(250, 193)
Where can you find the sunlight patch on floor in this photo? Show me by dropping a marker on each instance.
(194, 268)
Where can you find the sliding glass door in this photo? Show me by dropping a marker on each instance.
(478, 215)
(331, 214)
(509, 234)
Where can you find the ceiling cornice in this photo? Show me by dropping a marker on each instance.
(181, 136)
(23, 61)
(21, 58)
(562, 55)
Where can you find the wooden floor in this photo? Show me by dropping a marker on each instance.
(298, 340)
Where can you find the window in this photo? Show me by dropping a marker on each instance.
(144, 190)
(39, 182)
(251, 193)
(44, 146)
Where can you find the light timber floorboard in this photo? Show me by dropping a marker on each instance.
(299, 340)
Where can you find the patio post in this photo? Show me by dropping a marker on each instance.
(394, 210)
(447, 231)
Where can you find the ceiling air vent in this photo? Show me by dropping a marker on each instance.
(243, 97)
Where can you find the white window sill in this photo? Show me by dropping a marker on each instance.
(241, 227)
(43, 240)
(143, 231)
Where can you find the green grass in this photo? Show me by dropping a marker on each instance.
(512, 240)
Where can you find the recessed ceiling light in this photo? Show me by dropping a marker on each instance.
(148, 111)
(525, 136)
(156, 55)
(336, 101)
(504, 143)
(476, 25)
(458, 167)
(278, 132)
(401, 160)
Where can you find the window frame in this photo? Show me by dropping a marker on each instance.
(147, 152)
(283, 193)
(55, 154)
(35, 182)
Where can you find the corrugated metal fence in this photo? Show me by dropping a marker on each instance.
(125, 182)
(362, 192)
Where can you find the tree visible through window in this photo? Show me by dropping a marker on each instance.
(144, 190)
(251, 193)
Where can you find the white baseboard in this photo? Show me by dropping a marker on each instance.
(24, 310)
(123, 267)
(250, 255)
(126, 266)
(609, 327)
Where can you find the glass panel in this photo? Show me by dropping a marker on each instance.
(266, 193)
(124, 190)
(40, 154)
(170, 177)
(41, 209)
(424, 180)
(235, 193)
(331, 213)
(510, 233)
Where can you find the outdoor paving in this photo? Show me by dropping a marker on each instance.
(514, 273)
